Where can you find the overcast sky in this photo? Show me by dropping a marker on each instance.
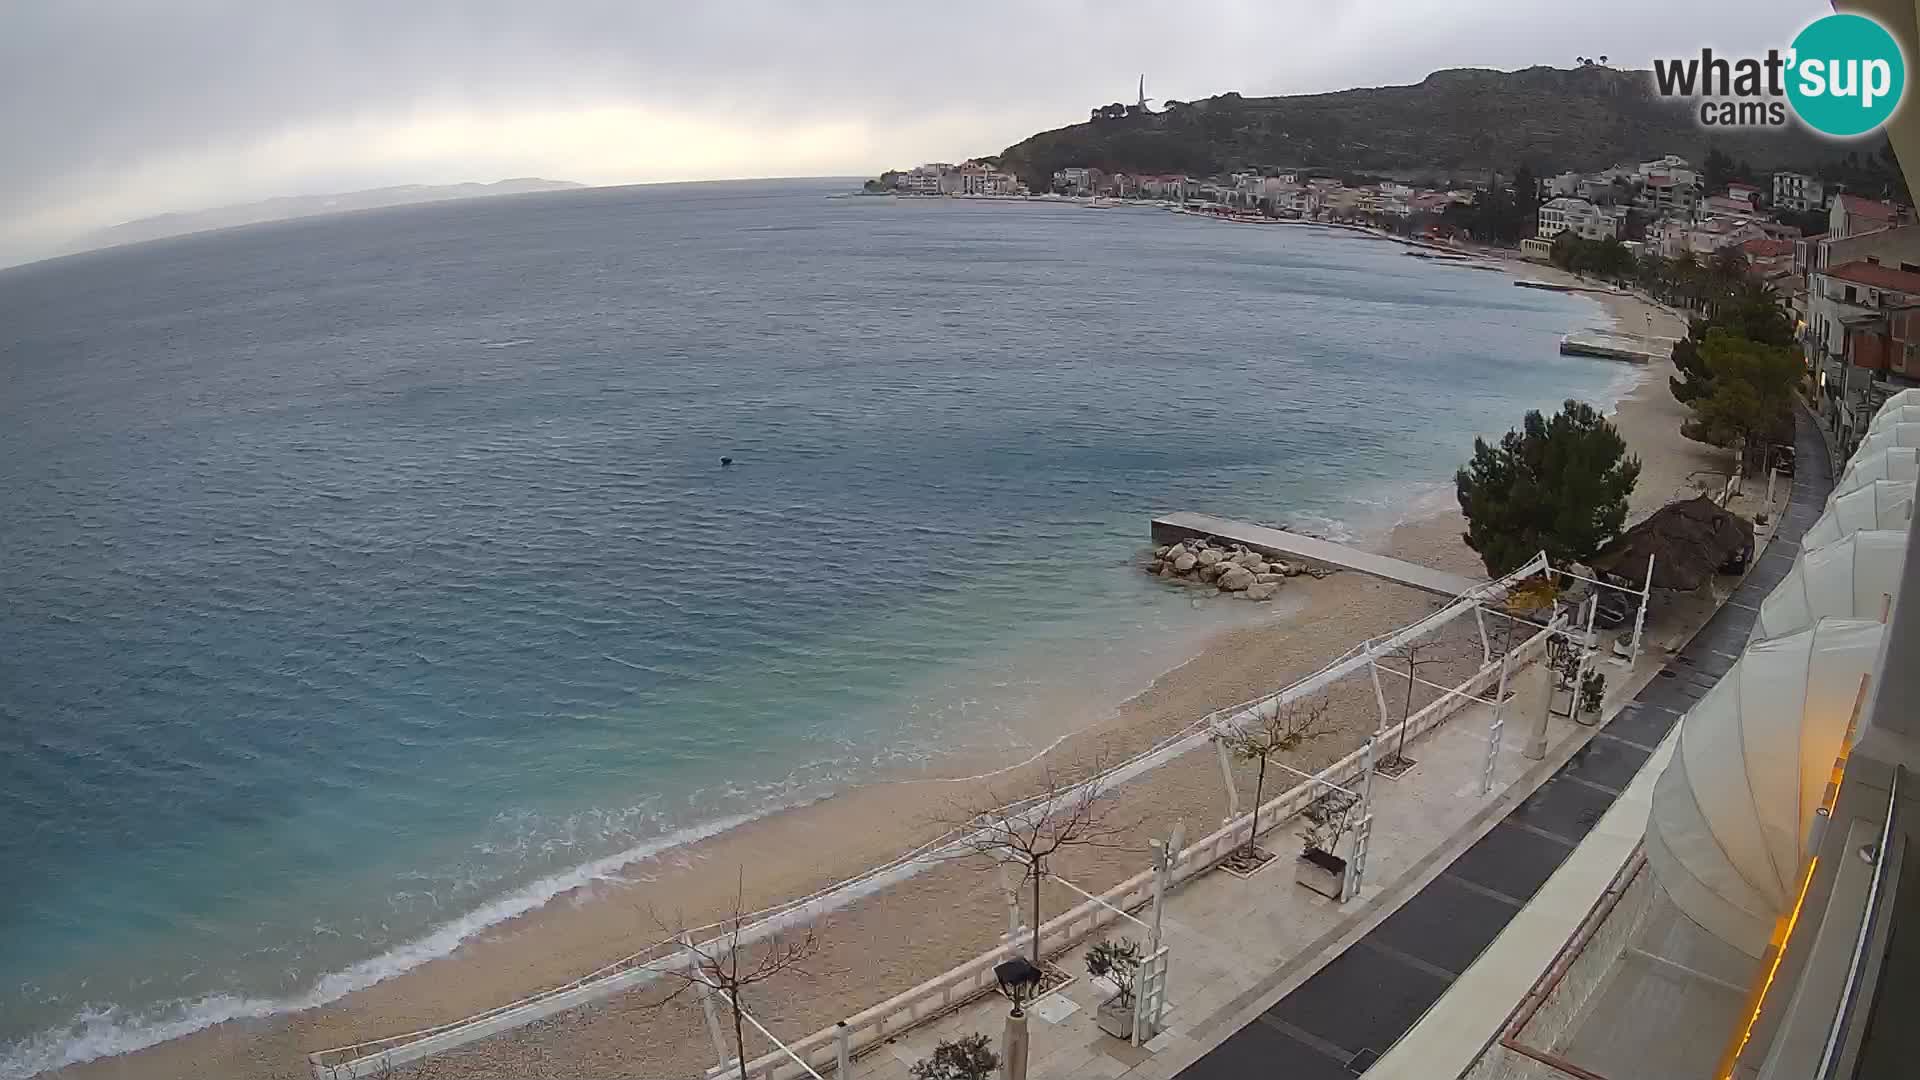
(115, 110)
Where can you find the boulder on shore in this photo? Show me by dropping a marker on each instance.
(1184, 562)
(1268, 578)
(1212, 571)
(1236, 579)
(1209, 556)
(1261, 590)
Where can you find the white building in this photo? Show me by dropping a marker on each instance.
(923, 179)
(1567, 183)
(1798, 192)
(1579, 217)
(1673, 192)
(974, 178)
(1669, 164)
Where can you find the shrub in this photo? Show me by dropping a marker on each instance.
(969, 1057)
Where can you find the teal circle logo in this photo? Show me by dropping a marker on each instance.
(1848, 75)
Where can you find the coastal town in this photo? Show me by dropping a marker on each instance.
(1844, 266)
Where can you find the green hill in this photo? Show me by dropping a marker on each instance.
(1456, 123)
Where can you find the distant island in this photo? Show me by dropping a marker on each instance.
(288, 207)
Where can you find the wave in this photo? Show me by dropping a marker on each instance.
(107, 1030)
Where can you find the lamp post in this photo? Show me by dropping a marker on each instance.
(1018, 979)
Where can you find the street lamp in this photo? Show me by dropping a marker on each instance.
(1019, 980)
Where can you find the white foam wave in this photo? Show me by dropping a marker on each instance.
(104, 1031)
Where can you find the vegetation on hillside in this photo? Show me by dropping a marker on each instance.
(1461, 123)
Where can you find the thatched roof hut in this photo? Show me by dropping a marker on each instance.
(1689, 541)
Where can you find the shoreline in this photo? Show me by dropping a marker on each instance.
(581, 927)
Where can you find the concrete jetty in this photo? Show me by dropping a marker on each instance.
(1610, 345)
(1171, 528)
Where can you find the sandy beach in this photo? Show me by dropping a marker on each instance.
(887, 942)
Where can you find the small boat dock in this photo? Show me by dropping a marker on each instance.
(1171, 528)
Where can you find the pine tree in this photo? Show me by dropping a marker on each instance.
(1556, 485)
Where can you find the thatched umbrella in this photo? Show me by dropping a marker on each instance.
(1689, 542)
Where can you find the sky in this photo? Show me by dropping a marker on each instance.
(116, 109)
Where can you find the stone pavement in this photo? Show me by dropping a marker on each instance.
(1239, 947)
(1237, 942)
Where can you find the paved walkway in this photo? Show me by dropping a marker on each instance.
(1174, 527)
(1341, 1020)
(1268, 979)
(1235, 939)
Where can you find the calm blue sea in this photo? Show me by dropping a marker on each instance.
(368, 579)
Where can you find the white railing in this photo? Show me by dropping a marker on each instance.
(962, 984)
(373, 1057)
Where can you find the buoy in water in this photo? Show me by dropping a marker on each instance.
(725, 461)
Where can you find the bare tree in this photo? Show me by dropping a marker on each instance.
(1288, 726)
(727, 967)
(1031, 831)
(1415, 655)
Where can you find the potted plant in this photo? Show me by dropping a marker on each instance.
(1319, 868)
(1115, 962)
(1593, 692)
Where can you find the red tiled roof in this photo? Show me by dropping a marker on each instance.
(1866, 207)
(1767, 249)
(1862, 272)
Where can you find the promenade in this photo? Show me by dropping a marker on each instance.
(1268, 978)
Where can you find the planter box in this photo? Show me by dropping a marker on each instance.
(1323, 872)
(1116, 1019)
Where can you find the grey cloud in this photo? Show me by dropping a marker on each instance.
(89, 89)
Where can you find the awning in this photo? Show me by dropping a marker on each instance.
(1886, 435)
(1851, 578)
(1900, 463)
(1727, 836)
(1898, 414)
(1882, 504)
(1900, 400)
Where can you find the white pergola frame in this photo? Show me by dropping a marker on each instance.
(1644, 592)
(1150, 975)
(1369, 655)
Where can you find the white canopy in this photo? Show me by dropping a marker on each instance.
(1883, 504)
(1889, 435)
(1898, 401)
(1728, 831)
(1893, 463)
(1847, 579)
(1895, 414)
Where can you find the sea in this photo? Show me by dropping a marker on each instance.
(373, 578)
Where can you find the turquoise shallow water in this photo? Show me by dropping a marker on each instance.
(371, 578)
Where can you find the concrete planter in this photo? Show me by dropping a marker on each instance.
(1323, 872)
(1116, 1019)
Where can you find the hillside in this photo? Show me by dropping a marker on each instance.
(1456, 123)
(288, 207)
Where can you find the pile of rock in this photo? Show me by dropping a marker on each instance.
(1231, 568)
